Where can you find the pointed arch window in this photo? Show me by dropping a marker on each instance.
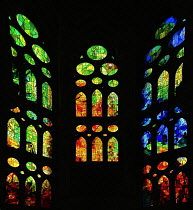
(180, 134)
(46, 96)
(147, 96)
(112, 102)
(163, 186)
(147, 190)
(30, 191)
(163, 87)
(47, 144)
(162, 139)
(97, 103)
(97, 149)
(178, 77)
(12, 189)
(81, 150)
(13, 133)
(31, 139)
(81, 105)
(146, 143)
(31, 86)
(46, 194)
(112, 149)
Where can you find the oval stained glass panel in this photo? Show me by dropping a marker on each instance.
(112, 128)
(46, 72)
(146, 169)
(97, 128)
(47, 121)
(85, 68)
(177, 38)
(177, 110)
(113, 83)
(146, 121)
(13, 162)
(165, 28)
(31, 166)
(162, 165)
(80, 83)
(153, 54)
(109, 69)
(40, 53)
(47, 170)
(97, 52)
(81, 128)
(27, 26)
(31, 115)
(162, 115)
(13, 52)
(18, 38)
(97, 80)
(164, 60)
(180, 54)
(182, 161)
(29, 59)
(148, 72)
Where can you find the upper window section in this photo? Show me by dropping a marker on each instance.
(46, 96)
(165, 28)
(177, 38)
(153, 54)
(27, 26)
(18, 38)
(97, 52)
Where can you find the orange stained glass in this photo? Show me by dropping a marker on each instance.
(112, 150)
(81, 105)
(97, 128)
(112, 128)
(112, 102)
(97, 149)
(162, 165)
(147, 190)
(163, 186)
(15, 110)
(181, 188)
(46, 194)
(13, 133)
(80, 83)
(97, 103)
(146, 169)
(81, 128)
(81, 150)
(12, 189)
(47, 144)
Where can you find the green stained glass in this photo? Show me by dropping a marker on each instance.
(46, 72)
(18, 38)
(178, 77)
(31, 87)
(97, 52)
(164, 60)
(97, 80)
(31, 115)
(29, 59)
(27, 26)
(46, 96)
(13, 133)
(113, 83)
(40, 53)
(85, 68)
(47, 144)
(163, 86)
(109, 69)
(112, 102)
(180, 54)
(31, 166)
(31, 139)
(30, 191)
(112, 149)
(148, 72)
(14, 52)
(15, 74)
(97, 103)
(153, 54)
(9, 17)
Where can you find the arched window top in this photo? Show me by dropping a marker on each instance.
(40, 53)
(81, 150)
(163, 184)
(46, 96)
(97, 149)
(147, 96)
(177, 38)
(97, 103)
(162, 139)
(112, 102)
(31, 139)
(180, 133)
(47, 144)
(81, 105)
(97, 52)
(163, 86)
(46, 194)
(13, 133)
(27, 26)
(153, 54)
(18, 38)
(113, 149)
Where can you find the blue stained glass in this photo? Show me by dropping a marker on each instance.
(153, 54)
(146, 121)
(146, 143)
(180, 134)
(171, 20)
(162, 115)
(177, 38)
(164, 60)
(177, 110)
(162, 139)
(147, 96)
(148, 72)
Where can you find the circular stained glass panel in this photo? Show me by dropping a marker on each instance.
(13, 162)
(47, 170)
(85, 68)
(40, 53)
(80, 83)
(81, 128)
(113, 83)
(97, 52)
(112, 128)
(109, 69)
(31, 166)
(97, 80)
(97, 128)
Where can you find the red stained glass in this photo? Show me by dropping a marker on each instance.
(46, 194)
(146, 169)
(97, 149)
(163, 186)
(81, 106)
(30, 192)
(81, 149)
(147, 193)
(162, 165)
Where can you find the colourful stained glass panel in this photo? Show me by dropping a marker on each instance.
(15, 74)
(31, 86)
(112, 150)
(46, 72)
(81, 105)
(163, 114)
(146, 143)
(146, 121)
(47, 170)
(147, 96)
(97, 149)
(162, 139)
(178, 77)
(97, 103)
(30, 192)
(182, 161)
(40, 53)
(109, 69)
(180, 134)
(96, 52)
(18, 38)
(163, 87)
(13, 133)
(180, 54)
(13, 162)
(46, 194)
(29, 59)
(177, 110)
(47, 122)
(147, 190)
(153, 54)
(177, 38)
(113, 83)
(146, 169)
(162, 165)
(31, 139)
(81, 150)
(97, 80)
(112, 128)
(81, 128)
(112, 102)
(31, 115)
(46, 96)
(164, 191)
(47, 144)
(148, 72)
(14, 52)
(97, 128)
(31, 166)
(85, 68)
(80, 83)
(164, 60)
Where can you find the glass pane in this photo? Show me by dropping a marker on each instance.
(112, 102)
(31, 86)
(46, 194)
(97, 150)
(97, 52)
(97, 103)
(147, 96)
(40, 53)
(162, 139)
(112, 150)
(147, 193)
(81, 105)
(13, 133)
(163, 86)
(180, 134)
(81, 150)
(163, 186)
(47, 144)
(30, 192)
(31, 139)
(46, 96)
(18, 38)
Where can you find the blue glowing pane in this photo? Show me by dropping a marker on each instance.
(171, 20)
(162, 139)
(153, 54)
(164, 60)
(146, 143)
(177, 38)
(180, 134)
(147, 96)
(162, 115)
(146, 121)
(177, 110)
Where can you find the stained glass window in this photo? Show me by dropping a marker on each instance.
(147, 96)
(31, 86)
(31, 166)
(148, 72)
(81, 105)
(46, 194)
(180, 54)
(163, 186)
(13, 52)
(81, 128)
(181, 188)
(113, 83)
(164, 60)
(180, 134)
(112, 128)
(97, 128)
(162, 115)
(80, 83)
(162, 139)
(18, 38)
(163, 86)
(47, 144)
(30, 191)
(46, 72)
(29, 59)
(40, 53)
(112, 102)
(97, 52)
(46, 96)
(47, 170)
(97, 103)
(31, 115)
(162, 165)
(182, 161)
(177, 38)
(112, 149)
(15, 74)
(109, 69)
(178, 77)
(85, 68)
(146, 121)
(97, 80)
(147, 190)
(97, 149)
(12, 189)
(31, 139)
(81, 150)
(153, 54)
(13, 133)
(47, 122)
(146, 143)
(146, 169)
(13, 162)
